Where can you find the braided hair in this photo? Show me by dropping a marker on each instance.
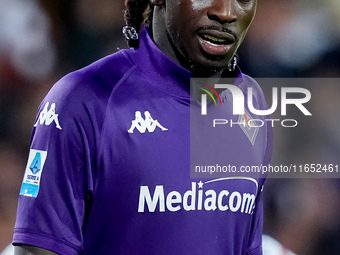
(138, 13)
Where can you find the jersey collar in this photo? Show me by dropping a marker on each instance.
(165, 73)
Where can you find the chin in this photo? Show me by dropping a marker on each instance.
(203, 64)
(205, 69)
(213, 62)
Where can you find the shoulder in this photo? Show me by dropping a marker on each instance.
(82, 96)
(99, 77)
(94, 82)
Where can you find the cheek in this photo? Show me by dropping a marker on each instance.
(201, 4)
(248, 13)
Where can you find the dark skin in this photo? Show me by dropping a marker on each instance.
(200, 35)
(180, 25)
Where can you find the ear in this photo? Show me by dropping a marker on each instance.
(158, 2)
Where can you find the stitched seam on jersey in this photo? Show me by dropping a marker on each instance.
(127, 56)
(146, 76)
(104, 127)
(62, 242)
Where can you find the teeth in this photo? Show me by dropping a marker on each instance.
(214, 39)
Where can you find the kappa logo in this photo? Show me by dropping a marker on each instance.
(47, 116)
(145, 124)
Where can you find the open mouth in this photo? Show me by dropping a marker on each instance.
(215, 45)
(214, 40)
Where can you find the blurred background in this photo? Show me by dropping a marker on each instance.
(40, 41)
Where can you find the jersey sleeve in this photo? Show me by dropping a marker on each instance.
(57, 189)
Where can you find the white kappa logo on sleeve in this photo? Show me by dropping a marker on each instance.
(145, 124)
(47, 116)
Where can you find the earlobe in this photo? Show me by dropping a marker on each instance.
(158, 2)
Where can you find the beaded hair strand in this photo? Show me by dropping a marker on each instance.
(137, 14)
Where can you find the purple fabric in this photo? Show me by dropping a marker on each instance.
(104, 190)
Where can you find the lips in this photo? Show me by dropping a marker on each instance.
(215, 43)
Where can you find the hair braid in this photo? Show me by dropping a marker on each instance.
(138, 13)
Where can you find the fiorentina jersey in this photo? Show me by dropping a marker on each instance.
(109, 166)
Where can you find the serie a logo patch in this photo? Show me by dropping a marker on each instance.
(33, 171)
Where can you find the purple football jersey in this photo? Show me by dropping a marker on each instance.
(108, 170)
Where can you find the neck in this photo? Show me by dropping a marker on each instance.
(205, 72)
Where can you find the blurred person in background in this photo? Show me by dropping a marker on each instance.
(27, 58)
(300, 36)
(86, 33)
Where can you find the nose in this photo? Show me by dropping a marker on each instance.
(223, 11)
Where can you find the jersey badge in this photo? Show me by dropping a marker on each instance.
(248, 126)
(33, 171)
(146, 124)
(48, 116)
